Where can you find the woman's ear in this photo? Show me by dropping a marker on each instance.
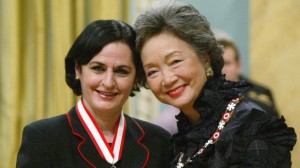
(77, 70)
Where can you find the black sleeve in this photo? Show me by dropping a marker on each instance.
(33, 152)
(260, 154)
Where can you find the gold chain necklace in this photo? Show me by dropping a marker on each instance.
(225, 118)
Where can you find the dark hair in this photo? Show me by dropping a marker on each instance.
(230, 44)
(185, 22)
(91, 41)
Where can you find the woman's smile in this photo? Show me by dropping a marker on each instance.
(176, 91)
(108, 79)
(175, 74)
(106, 95)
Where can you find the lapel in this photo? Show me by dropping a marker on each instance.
(83, 143)
(135, 153)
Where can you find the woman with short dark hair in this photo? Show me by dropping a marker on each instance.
(101, 68)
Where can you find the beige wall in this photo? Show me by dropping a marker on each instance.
(275, 56)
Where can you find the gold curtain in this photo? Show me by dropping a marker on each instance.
(274, 56)
(35, 36)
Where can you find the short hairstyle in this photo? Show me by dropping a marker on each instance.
(91, 41)
(183, 21)
(230, 44)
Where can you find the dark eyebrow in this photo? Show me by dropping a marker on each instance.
(97, 63)
(119, 66)
(124, 66)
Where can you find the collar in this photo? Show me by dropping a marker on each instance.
(133, 145)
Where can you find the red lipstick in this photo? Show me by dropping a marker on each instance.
(176, 91)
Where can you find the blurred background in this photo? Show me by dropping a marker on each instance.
(35, 36)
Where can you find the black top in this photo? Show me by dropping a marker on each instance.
(251, 138)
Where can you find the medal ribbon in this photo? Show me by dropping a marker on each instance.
(111, 153)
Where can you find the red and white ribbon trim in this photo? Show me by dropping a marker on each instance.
(111, 153)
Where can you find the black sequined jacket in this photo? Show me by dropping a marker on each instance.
(251, 138)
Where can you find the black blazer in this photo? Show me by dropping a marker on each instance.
(62, 142)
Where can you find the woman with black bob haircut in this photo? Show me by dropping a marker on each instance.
(91, 41)
(101, 67)
(217, 127)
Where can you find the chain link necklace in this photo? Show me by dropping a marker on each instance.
(225, 118)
